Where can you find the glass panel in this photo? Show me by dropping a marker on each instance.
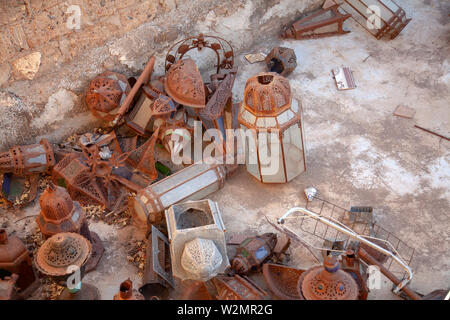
(248, 117)
(177, 178)
(251, 156)
(285, 117)
(294, 105)
(266, 122)
(270, 157)
(293, 152)
(188, 188)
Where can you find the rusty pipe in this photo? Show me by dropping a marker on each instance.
(143, 79)
(366, 257)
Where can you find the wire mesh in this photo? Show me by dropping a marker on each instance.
(324, 237)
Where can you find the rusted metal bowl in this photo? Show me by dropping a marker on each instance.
(282, 280)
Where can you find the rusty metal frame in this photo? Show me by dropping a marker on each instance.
(222, 48)
(391, 27)
(300, 31)
(330, 225)
(237, 288)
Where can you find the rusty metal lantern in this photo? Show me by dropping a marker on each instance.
(281, 60)
(59, 252)
(106, 93)
(15, 259)
(327, 282)
(60, 214)
(272, 122)
(27, 160)
(251, 253)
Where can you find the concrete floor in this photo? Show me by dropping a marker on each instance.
(358, 153)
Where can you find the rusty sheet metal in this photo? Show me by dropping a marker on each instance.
(281, 60)
(143, 158)
(323, 23)
(27, 160)
(282, 280)
(196, 291)
(238, 288)
(106, 93)
(184, 84)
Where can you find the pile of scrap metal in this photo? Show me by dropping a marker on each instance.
(356, 253)
(381, 18)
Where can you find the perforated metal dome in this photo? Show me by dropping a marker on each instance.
(58, 212)
(267, 93)
(201, 258)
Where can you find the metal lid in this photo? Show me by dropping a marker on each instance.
(327, 282)
(61, 251)
(267, 93)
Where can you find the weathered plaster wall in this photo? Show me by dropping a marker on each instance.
(46, 64)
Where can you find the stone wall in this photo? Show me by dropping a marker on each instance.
(51, 49)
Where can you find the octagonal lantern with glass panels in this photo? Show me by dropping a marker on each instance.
(272, 129)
